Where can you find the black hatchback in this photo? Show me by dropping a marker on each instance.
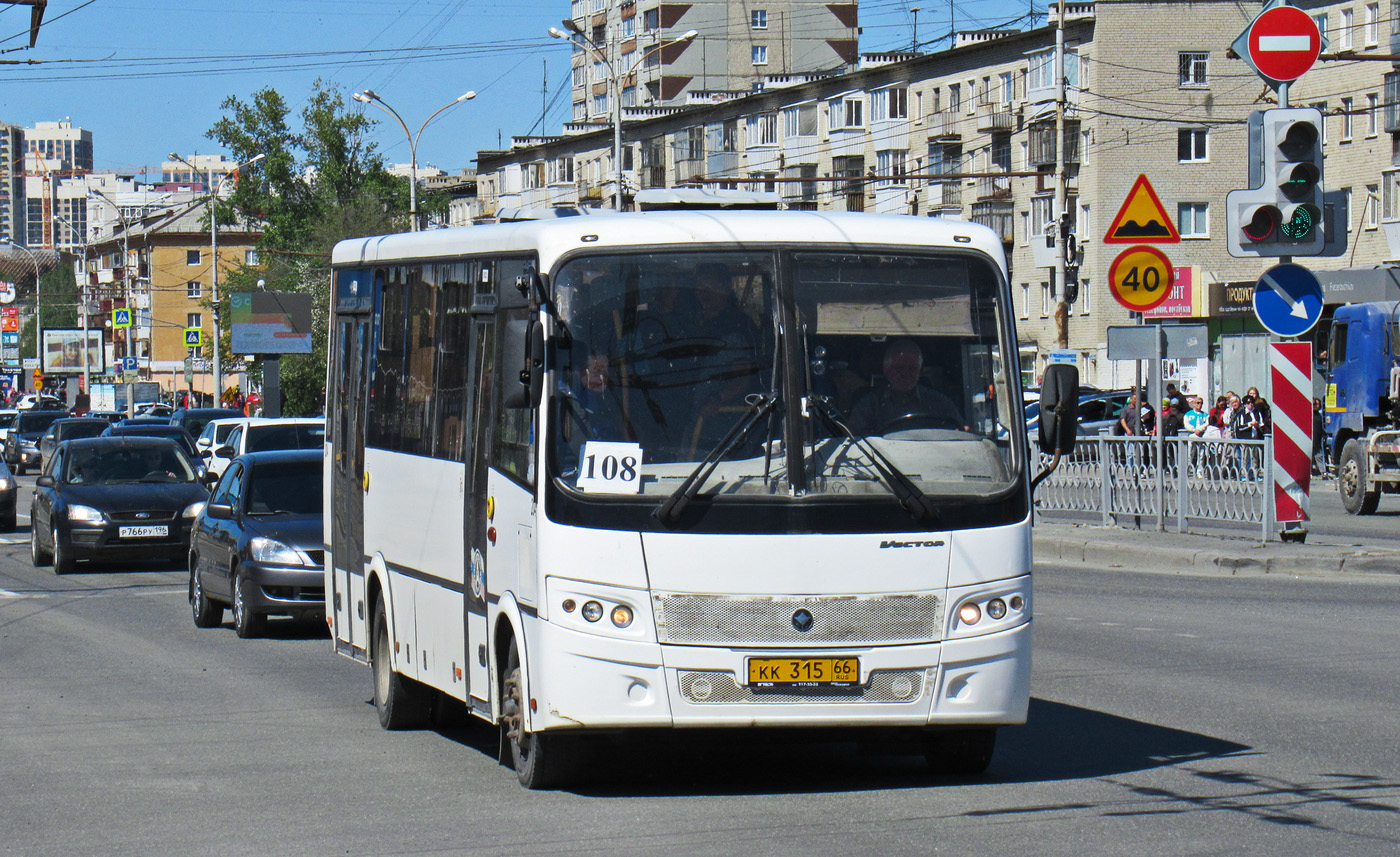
(130, 498)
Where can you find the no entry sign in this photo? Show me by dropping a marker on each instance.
(1281, 44)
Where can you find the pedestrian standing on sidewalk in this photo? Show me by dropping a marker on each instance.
(1319, 450)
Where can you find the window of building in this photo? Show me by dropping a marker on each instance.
(1390, 194)
(954, 97)
(580, 111)
(800, 120)
(1084, 295)
(760, 54)
(1321, 106)
(1373, 110)
(846, 112)
(1372, 195)
(1042, 215)
(1193, 219)
(1373, 15)
(758, 19)
(1045, 301)
(1025, 300)
(763, 129)
(250, 257)
(194, 289)
(1321, 21)
(629, 27)
(1001, 151)
(1192, 69)
(629, 96)
(651, 19)
(192, 257)
(1191, 145)
(1344, 29)
(890, 166)
(600, 104)
(892, 102)
(1347, 122)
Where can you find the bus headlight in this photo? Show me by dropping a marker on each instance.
(592, 611)
(970, 613)
(622, 615)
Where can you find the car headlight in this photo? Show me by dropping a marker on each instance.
(6, 484)
(85, 514)
(193, 510)
(270, 550)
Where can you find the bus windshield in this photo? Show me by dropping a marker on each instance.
(882, 368)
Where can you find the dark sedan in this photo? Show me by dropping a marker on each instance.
(131, 498)
(22, 446)
(9, 492)
(257, 548)
(71, 428)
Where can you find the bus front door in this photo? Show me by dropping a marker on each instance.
(347, 487)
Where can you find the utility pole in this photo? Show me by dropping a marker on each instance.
(1061, 196)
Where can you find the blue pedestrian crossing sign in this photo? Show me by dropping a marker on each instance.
(121, 317)
(193, 337)
(1288, 300)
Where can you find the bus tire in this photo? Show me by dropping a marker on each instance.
(541, 760)
(1353, 478)
(400, 702)
(960, 753)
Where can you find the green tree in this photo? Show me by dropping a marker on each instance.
(313, 187)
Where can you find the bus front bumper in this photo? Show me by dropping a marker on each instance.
(592, 681)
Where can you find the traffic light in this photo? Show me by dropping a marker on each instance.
(1281, 214)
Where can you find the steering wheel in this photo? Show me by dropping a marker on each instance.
(918, 420)
(159, 476)
(672, 349)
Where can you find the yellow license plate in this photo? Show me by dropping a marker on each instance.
(804, 672)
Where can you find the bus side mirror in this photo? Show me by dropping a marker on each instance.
(524, 347)
(1059, 409)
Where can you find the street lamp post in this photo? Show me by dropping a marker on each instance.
(574, 34)
(214, 192)
(369, 96)
(83, 299)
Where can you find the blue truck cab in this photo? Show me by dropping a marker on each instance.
(1361, 354)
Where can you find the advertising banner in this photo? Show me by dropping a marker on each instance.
(270, 322)
(64, 353)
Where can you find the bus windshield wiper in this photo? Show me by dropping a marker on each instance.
(672, 507)
(910, 497)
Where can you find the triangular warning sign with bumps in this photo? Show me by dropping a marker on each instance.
(1142, 219)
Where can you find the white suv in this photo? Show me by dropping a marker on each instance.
(257, 434)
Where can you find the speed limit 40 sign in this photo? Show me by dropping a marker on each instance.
(1140, 278)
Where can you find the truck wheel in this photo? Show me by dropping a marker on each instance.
(1353, 476)
(401, 702)
(541, 759)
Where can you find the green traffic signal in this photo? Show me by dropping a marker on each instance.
(1300, 225)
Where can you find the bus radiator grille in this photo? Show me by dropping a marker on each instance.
(758, 621)
(882, 686)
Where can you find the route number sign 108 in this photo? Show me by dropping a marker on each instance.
(1140, 278)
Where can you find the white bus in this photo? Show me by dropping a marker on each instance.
(682, 469)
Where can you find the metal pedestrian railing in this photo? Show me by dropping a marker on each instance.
(1197, 479)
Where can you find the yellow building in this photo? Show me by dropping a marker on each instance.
(168, 281)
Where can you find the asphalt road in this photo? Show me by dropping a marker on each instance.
(1173, 715)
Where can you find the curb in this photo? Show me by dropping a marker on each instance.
(1114, 555)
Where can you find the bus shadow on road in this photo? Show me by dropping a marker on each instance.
(1059, 742)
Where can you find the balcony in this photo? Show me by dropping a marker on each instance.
(1042, 144)
(993, 187)
(945, 196)
(944, 125)
(995, 117)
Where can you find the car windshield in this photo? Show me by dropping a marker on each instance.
(70, 431)
(174, 433)
(285, 488)
(113, 464)
(37, 422)
(262, 438)
(675, 358)
(8, 420)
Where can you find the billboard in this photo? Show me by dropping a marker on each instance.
(270, 322)
(63, 351)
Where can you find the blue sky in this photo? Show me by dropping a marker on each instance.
(147, 77)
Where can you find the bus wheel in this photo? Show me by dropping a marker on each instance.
(399, 701)
(1352, 479)
(541, 760)
(963, 752)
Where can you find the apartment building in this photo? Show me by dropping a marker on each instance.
(12, 202)
(737, 47)
(161, 264)
(54, 152)
(969, 133)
